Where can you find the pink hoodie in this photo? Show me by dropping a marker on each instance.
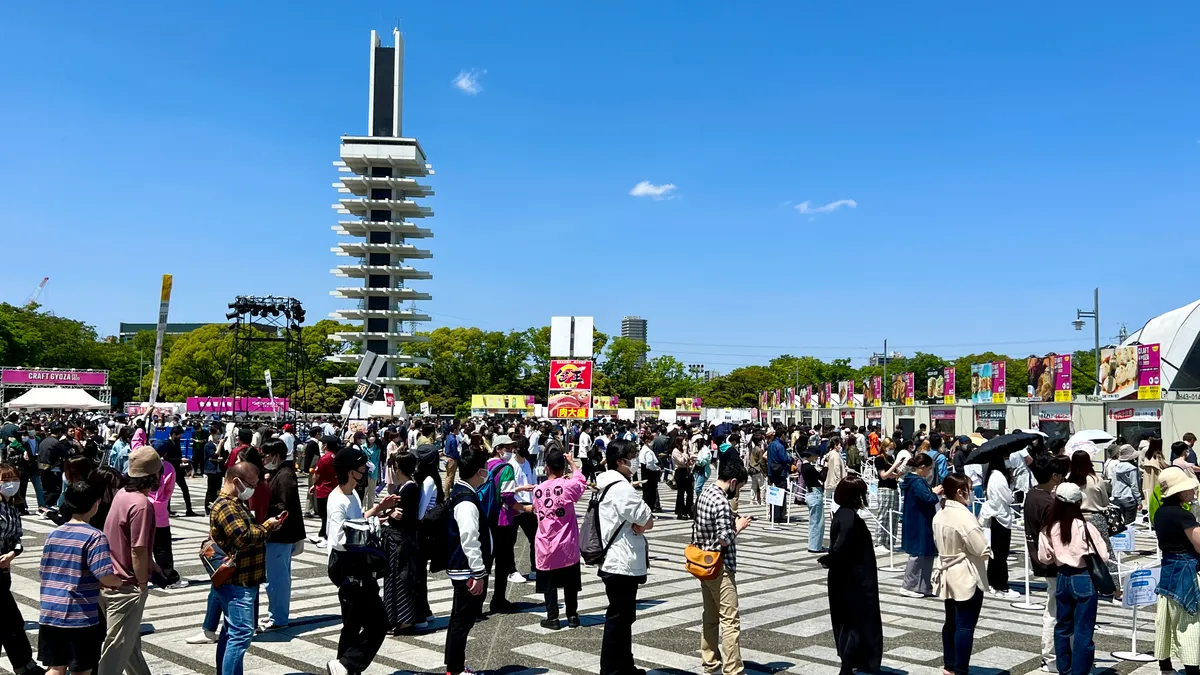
(557, 543)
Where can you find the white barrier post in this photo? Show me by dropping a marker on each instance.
(1133, 654)
(893, 520)
(1027, 606)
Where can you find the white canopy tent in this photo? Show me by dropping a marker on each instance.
(1176, 331)
(56, 398)
(379, 408)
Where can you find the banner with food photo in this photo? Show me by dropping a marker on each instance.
(1062, 378)
(949, 394)
(566, 375)
(848, 401)
(877, 391)
(647, 403)
(502, 401)
(690, 405)
(841, 392)
(1041, 377)
(1118, 372)
(789, 396)
(999, 384)
(828, 389)
(896, 389)
(807, 396)
(981, 383)
(933, 386)
(606, 402)
(910, 386)
(575, 405)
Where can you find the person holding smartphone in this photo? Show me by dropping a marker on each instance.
(284, 500)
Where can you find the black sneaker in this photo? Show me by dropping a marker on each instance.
(552, 624)
(503, 607)
(572, 622)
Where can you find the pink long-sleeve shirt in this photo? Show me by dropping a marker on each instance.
(557, 542)
(160, 499)
(1052, 550)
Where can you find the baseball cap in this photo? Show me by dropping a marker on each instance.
(144, 462)
(332, 442)
(349, 458)
(1068, 492)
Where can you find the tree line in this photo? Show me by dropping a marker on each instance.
(461, 362)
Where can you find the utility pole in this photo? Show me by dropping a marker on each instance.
(885, 386)
(1094, 315)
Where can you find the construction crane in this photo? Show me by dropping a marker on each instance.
(31, 301)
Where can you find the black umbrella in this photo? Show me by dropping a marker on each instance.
(1000, 446)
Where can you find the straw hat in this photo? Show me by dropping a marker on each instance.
(1174, 480)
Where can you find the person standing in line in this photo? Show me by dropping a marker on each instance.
(624, 520)
(1064, 541)
(208, 465)
(920, 504)
(715, 529)
(323, 482)
(12, 625)
(469, 559)
(835, 467)
(1126, 492)
(50, 457)
(130, 532)
(172, 453)
(235, 530)
(997, 514)
(557, 542)
(682, 460)
(1152, 463)
(886, 505)
(375, 459)
(1177, 616)
(281, 544)
(853, 582)
(648, 461)
(164, 554)
(1095, 498)
(779, 465)
(75, 563)
(289, 439)
(1048, 471)
(959, 577)
(814, 479)
(757, 469)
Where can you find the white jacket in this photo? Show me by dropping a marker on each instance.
(998, 505)
(623, 504)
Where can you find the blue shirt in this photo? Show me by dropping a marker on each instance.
(777, 458)
(451, 449)
(74, 558)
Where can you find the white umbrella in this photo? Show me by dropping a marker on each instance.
(1100, 438)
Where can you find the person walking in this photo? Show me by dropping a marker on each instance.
(12, 625)
(1064, 541)
(624, 520)
(322, 483)
(683, 462)
(920, 504)
(557, 541)
(236, 531)
(997, 514)
(285, 506)
(130, 532)
(853, 582)
(716, 529)
(1176, 620)
(469, 559)
(959, 578)
(358, 591)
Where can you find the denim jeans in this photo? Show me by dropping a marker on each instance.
(1075, 622)
(816, 518)
(37, 490)
(958, 632)
(279, 583)
(212, 613)
(237, 602)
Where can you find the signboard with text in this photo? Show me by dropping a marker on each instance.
(54, 378)
(570, 375)
(689, 405)
(654, 403)
(1131, 372)
(575, 405)
(502, 401)
(949, 395)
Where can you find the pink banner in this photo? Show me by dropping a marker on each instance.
(948, 392)
(1149, 361)
(999, 377)
(55, 378)
(1062, 378)
(245, 404)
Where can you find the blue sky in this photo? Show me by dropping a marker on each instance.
(968, 173)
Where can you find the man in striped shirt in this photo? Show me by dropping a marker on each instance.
(75, 562)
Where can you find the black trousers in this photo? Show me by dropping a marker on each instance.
(529, 525)
(52, 486)
(164, 555)
(570, 599)
(685, 492)
(650, 488)
(12, 627)
(504, 539)
(181, 482)
(463, 613)
(779, 515)
(363, 625)
(323, 512)
(616, 647)
(212, 489)
(421, 608)
(997, 568)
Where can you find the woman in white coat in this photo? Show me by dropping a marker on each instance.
(958, 578)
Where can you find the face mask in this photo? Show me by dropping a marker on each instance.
(9, 488)
(271, 466)
(507, 456)
(731, 492)
(246, 493)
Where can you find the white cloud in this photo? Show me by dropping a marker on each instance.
(806, 207)
(468, 81)
(648, 189)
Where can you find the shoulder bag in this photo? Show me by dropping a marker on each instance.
(1097, 568)
(219, 565)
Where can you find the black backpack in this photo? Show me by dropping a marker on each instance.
(364, 556)
(591, 546)
(435, 534)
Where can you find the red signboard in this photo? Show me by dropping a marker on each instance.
(570, 405)
(570, 375)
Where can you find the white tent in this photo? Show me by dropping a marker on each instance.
(57, 398)
(1176, 331)
(379, 408)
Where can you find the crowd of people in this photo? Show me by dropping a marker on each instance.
(392, 503)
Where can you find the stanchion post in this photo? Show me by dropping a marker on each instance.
(1027, 606)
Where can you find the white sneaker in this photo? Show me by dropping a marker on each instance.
(516, 578)
(1047, 669)
(910, 594)
(182, 583)
(881, 549)
(1010, 594)
(314, 539)
(335, 667)
(206, 637)
(323, 545)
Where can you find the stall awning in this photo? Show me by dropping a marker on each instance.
(57, 398)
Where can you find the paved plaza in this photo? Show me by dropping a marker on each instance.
(785, 622)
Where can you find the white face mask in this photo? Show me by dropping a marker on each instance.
(271, 466)
(507, 456)
(246, 493)
(9, 488)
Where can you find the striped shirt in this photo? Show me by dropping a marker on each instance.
(74, 557)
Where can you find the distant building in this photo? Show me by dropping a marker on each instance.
(129, 330)
(634, 328)
(883, 359)
(710, 375)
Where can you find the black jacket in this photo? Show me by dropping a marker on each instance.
(285, 496)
